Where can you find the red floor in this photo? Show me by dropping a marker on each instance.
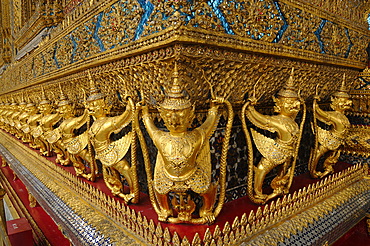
(42, 219)
(357, 236)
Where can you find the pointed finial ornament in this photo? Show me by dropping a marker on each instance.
(63, 100)
(14, 103)
(289, 89)
(342, 92)
(175, 99)
(22, 100)
(29, 102)
(44, 99)
(95, 93)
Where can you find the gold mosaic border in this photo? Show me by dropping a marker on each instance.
(308, 6)
(52, 177)
(357, 141)
(185, 35)
(124, 226)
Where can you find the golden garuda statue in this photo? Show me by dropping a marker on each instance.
(280, 152)
(70, 146)
(21, 119)
(183, 162)
(45, 125)
(45, 108)
(112, 154)
(7, 111)
(7, 116)
(14, 116)
(2, 112)
(328, 142)
(62, 136)
(32, 125)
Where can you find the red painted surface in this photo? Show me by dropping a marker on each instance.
(19, 232)
(357, 236)
(42, 219)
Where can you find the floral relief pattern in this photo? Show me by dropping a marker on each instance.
(266, 21)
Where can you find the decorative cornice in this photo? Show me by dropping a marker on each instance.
(33, 44)
(68, 52)
(32, 28)
(45, 15)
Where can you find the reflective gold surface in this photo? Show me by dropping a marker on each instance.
(328, 142)
(186, 64)
(279, 219)
(112, 153)
(183, 161)
(279, 152)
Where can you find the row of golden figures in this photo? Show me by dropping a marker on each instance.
(183, 165)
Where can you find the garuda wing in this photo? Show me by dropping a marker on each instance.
(328, 139)
(78, 143)
(37, 132)
(116, 150)
(271, 149)
(53, 136)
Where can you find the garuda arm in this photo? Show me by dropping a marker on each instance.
(210, 124)
(321, 115)
(264, 122)
(120, 121)
(81, 120)
(149, 123)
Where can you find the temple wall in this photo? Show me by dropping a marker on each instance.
(229, 51)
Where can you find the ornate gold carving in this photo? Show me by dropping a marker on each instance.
(118, 24)
(204, 17)
(250, 18)
(357, 141)
(282, 151)
(174, 18)
(17, 11)
(183, 161)
(72, 195)
(358, 41)
(112, 153)
(329, 141)
(62, 55)
(350, 11)
(32, 17)
(60, 61)
(87, 39)
(87, 44)
(238, 71)
(301, 28)
(308, 215)
(334, 38)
